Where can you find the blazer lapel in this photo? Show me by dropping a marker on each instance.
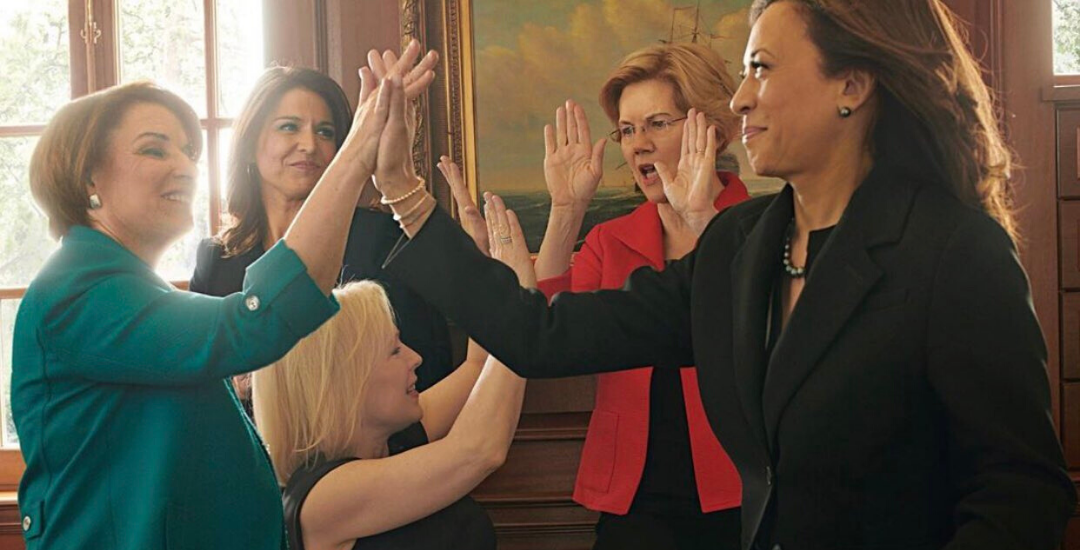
(753, 272)
(641, 232)
(840, 278)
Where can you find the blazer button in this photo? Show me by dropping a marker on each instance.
(26, 523)
(252, 302)
(777, 547)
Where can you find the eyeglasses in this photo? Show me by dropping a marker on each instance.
(658, 126)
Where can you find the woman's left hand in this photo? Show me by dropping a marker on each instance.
(471, 220)
(508, 240)
(692, 188)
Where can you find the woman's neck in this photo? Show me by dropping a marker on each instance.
(149, 253)
(821, 197)
(280, 213)
(371, 443)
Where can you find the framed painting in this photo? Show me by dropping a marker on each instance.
(508, 64)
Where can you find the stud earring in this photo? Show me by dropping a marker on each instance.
(845, 112)
(95, 201)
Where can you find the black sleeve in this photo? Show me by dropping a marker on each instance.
(409, 438)
(645, 323)
(987, 364)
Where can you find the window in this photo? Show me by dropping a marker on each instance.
(1067, 41)
(208, 51)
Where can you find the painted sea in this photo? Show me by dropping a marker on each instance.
(533, 207)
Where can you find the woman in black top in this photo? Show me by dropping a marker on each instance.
(887, 390)
(288, 132)
(367, 460)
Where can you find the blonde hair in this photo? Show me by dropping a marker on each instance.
(696, 72)
(308, 403)
(76, 141)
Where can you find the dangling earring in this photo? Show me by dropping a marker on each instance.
(253, 174)
(845, 112)
(95, 201)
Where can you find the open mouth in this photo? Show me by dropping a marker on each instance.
(648, 173)
(411, 390)
(178, 196)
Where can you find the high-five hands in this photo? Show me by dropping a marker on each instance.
(692, 188)
(573, 165)
(508, 240)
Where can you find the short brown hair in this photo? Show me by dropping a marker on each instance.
(248, 224)
(932, 95)
(696, 72)
(76, 140)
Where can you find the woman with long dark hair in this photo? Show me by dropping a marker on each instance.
(865, 342)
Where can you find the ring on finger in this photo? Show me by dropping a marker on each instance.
(505, 239)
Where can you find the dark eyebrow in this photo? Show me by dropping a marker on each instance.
(294, 118)
(155, 135)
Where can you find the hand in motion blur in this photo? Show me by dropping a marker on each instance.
(471, 220)
(693, 186)
(573, 165)
(508, 240)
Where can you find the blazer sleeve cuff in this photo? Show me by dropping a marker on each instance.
(278, 284)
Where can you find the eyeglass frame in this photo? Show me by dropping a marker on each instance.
(617, 137)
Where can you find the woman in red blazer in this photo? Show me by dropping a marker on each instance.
(651, 464)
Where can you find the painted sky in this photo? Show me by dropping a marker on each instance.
(531, 56)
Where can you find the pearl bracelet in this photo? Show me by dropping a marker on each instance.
(414, 191)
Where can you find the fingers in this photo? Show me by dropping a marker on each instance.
(502, 226)
(549, 140)
(710, 142)
(452, 172)
(571, 122)
(368, 84)
(584, 135)
(382, 104)
(686, 133)
(701, 128)
(390, 61)
(375, 61)
(560, 127)
(667, 176)
(598, 154)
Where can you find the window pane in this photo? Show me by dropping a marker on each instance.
(8, 308)
(224, 147)
(24, 236)
(240, 52)
(1066, 36)
(164, 42)
(33, 60)
(178, 263)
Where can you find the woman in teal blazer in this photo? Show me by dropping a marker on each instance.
(131, 434)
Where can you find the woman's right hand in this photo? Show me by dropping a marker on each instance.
(573, 166)
(361, 147)
(471, 220)
(508, 240)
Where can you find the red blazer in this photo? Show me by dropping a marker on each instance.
(614, 455)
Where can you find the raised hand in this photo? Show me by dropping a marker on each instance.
(573, 165)
(508, 240)
(416, 78)
(394, 172)
(692, 188)
(361, 146)
(471, 220)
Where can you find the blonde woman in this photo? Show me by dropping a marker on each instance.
(366, 460)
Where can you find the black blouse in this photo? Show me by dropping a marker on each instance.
(371, 237)
(463, 524)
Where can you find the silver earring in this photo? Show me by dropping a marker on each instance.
(252, 172)
(845, 112)
(95, 201)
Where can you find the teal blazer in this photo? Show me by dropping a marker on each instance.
(131, 435)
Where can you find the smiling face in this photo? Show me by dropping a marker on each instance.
(789, 109)
(640, 105)
(146, 180)
(295, 146)
(391, 400)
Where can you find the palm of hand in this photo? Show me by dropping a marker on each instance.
(571, 174)
(695, 187)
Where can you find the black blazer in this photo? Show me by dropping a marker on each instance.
(905, 405)
(371, 236)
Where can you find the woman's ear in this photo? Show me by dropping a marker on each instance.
(858, 87)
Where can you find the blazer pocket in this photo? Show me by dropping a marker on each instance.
(598, 455)
(885, 299)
